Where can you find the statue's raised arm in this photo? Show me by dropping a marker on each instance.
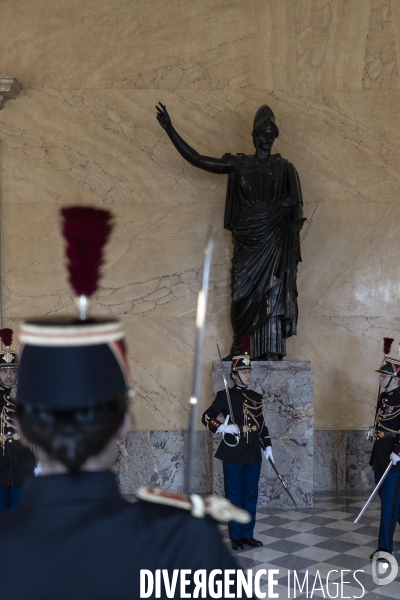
(264, 212)
(220, 166)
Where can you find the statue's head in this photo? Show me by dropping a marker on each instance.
(264, 125)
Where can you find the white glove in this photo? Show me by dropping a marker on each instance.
(224, 428)
(394, 458)
(268, 453)
(38, 469)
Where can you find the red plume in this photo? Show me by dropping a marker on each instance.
(6, 336)
(387, 345)
(245, 344)
(86, 230)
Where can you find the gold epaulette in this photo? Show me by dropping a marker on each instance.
(219, 508)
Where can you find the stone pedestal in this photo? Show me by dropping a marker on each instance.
(288, 393)
(9, 89)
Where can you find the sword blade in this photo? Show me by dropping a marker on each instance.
(372, 496)
(226, 386)
(200, 321)
(283, 483)
(237, 436)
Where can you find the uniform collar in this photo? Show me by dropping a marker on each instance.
(241, 387)
(396, 389)
(62, 489)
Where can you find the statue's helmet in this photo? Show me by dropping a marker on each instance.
(263, 116)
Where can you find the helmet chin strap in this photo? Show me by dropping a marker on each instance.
(388, 383)
(240, 379)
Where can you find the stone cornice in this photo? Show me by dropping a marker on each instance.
(9, 89)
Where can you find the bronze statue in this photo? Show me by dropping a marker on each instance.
(264, 212)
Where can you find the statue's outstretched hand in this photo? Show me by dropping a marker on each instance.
(162, 116)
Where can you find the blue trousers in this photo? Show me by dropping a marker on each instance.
(241, 488)
(389, 493)
(9, 496)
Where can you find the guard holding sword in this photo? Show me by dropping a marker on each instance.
(386, 435)
(243, 442)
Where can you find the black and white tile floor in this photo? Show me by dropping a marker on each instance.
(321, 539)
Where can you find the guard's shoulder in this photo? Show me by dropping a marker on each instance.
(218, 508)
(254, 394)
(394, 394)
(218, 392)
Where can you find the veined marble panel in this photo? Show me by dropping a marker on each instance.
(166, 44)
(327, 44)
(330, 460)
(153, 260)
(285, 44)
(359, 474)
(341, 461)
(360, 283)
(157, 458)
(287, 388)
(345, 353)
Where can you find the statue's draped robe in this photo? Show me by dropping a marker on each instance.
(263, 201)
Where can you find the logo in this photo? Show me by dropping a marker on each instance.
(384, 568)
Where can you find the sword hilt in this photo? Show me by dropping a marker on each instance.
(228, 397)
(235, 435)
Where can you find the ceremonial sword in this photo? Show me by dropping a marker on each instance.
(200, 319)
(283, 483)
(372, 496)
(236, 435)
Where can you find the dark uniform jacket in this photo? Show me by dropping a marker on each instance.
(247, 410)
(75, 538)
(387, 421)
(16, 461)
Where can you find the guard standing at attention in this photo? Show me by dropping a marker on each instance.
(16, 461)
(386, 436)
(241, 462)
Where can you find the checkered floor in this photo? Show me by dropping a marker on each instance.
(321, 539)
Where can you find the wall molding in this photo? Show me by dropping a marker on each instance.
(10, 88)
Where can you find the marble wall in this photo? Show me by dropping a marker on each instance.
(84, 131)
(157, 458)
(341, 461)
